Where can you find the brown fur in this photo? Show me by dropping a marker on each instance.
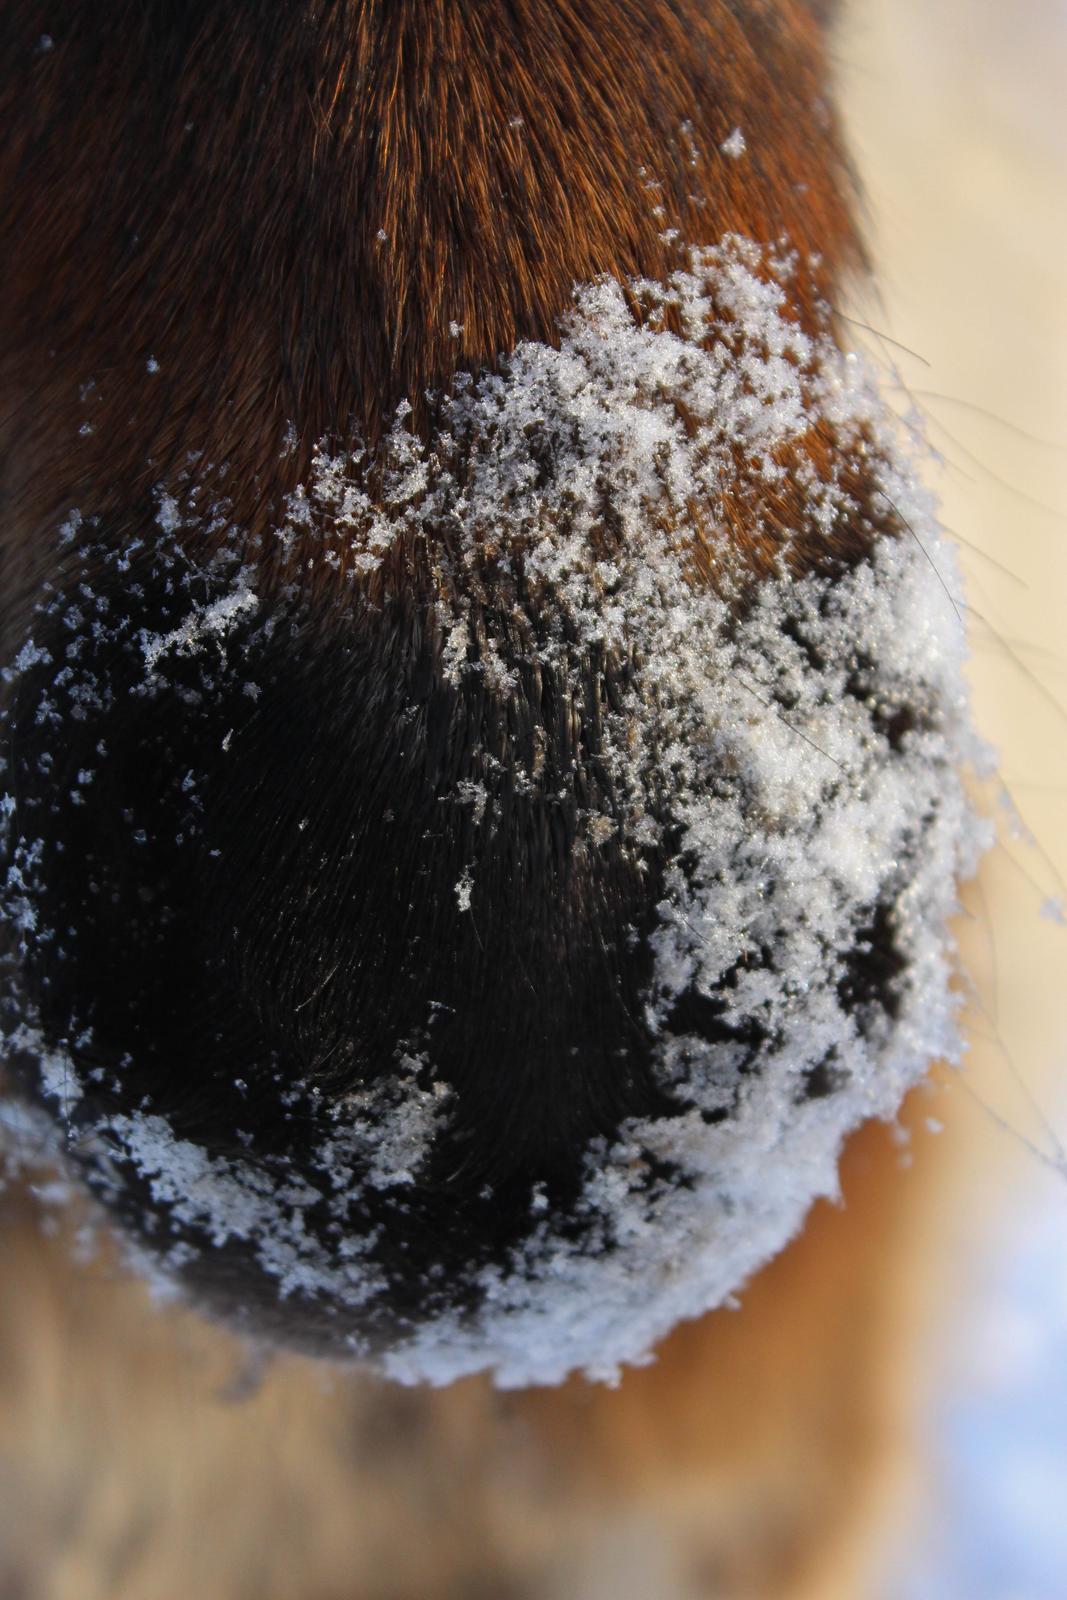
(751, 1460)
(209, 188)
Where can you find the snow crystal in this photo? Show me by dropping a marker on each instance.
(240, 1199)
(203, 622)
(388, 1130)
(168, 516)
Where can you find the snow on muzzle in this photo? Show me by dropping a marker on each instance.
(460, 934)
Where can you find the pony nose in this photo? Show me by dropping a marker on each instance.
(500, 932)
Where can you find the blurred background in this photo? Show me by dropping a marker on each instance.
(958, 117)
(886, 1416)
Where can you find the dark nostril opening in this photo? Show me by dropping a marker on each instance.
(826, 1078)
(873, 967)
(705, 1015)
(894, 718)
(298, 873)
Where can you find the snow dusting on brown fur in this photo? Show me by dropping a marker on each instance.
(264, 263)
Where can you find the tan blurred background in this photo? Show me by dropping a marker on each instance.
(853, 1433)
(958, 117)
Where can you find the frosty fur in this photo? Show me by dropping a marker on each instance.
(765, 746)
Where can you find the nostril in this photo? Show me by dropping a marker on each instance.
(706, 1015)
(248, 937)
(873, 968)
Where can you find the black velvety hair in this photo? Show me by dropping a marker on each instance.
(261, 891)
